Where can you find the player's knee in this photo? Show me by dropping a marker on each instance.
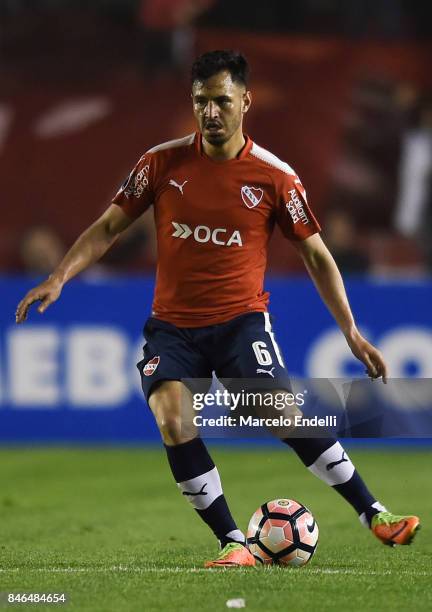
(171, 429)
(285, 402)
(174, 430)
(284, 407)
(166, 405)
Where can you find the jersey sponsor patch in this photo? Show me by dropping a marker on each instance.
(136, 183)
(151, 366)
(251, 196)
(296, 209)
(201, 233)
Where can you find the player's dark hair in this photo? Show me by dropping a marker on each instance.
(211, 63)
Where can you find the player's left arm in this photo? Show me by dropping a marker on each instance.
(325, 274)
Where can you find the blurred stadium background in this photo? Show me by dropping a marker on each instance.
(342, 91)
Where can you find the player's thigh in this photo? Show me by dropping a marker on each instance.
(169, 354)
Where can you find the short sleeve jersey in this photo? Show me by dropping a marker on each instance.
(214, 220)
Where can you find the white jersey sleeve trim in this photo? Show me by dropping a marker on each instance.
(271, 159)
(173, 144)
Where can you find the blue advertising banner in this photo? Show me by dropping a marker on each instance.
(70, 375)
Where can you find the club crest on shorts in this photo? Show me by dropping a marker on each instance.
(151, 366)
(251, 196)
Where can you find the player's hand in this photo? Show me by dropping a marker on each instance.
(46, 293)
(369, 355)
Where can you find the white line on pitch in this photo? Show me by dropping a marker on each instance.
(194, 570)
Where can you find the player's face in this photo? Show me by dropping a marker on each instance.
(219, 104)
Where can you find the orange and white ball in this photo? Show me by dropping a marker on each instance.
(283, 532)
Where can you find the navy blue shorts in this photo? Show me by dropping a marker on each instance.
(242, 348)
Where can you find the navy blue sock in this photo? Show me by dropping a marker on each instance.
(198, 479)
(326, 458)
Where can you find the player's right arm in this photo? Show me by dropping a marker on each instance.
(87, 250)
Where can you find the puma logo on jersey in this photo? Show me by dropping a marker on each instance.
(202, 233)
(179, 187)
(251, 196)
(261, 371)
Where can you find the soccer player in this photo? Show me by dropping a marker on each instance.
(216, 197)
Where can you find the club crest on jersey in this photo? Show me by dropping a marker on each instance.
(151, 366)
(251, 196)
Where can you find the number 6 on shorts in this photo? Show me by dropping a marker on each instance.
(262, 355)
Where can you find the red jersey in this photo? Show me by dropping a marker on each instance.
(214, 220)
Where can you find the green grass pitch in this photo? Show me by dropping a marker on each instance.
(109, 528)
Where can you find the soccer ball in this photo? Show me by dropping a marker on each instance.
(282, 532)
